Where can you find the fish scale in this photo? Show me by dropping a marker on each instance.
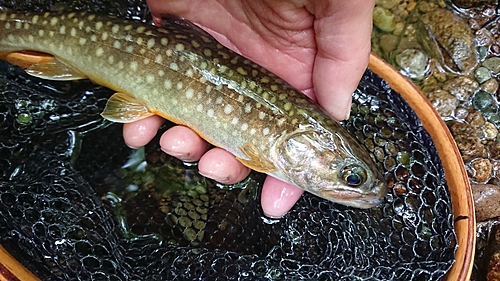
(181, 73)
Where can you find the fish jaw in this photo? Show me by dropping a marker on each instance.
(357, 200)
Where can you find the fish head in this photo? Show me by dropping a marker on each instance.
(331, 165)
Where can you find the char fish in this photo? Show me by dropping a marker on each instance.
(181, 73)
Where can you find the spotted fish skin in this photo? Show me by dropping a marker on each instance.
(183, 74)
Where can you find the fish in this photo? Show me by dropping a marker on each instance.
(181, 73)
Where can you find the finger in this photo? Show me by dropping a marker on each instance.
(278, 197)
(343, 40)
(222, 166)
(183, 143)
(139, 133)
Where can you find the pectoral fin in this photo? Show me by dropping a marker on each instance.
(257, 161)
(44, 66)
(125, 108)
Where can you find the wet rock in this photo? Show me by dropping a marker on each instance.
(461, 87)
(471, 3)
(492, 64)
(482, 74)
(481, 170)
(484, 37)
(443, 102)
(461, 113)
(475, 118)
(490, 131)
(486, 199)
(386, 4)
(470, 148)
(388, 43)
(449, 39)
(484, 102)
(413, 63)
(383, 19)
(494, 267)
(490, 86)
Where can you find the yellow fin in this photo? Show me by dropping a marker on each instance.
(125, 108)
(54, 70)
(256, 161)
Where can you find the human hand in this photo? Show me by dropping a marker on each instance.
(319, 47)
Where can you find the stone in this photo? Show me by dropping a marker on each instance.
(484, 102)
(493, 64)
(413, 63)
(461, 87)
(443, 102)
(481, 170)
(482, 74)
(475, 118)
(490, 86)
(490, 131)
(383, 19)
(486, 200)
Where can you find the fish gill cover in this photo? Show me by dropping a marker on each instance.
(77, 204)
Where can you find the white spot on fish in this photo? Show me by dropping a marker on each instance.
(4, 17)
(150, 78)
(234, 121)
(129, 49)
(104, 35)
(82, 41)
(208, 89)
(120, 65)
(161, 73)
(88, 29)
(34, 19)
(244, 126)
(189, 93)
(51, 33)
(98, 25)
(93, 38)
(287, 106)
(53, 21)
(41, 32)
(262, 115)
(210, 112)
(140, 29)
(179, 85)
(218, 100)
(248, 108)
(228, 109)
(281, 121)
(134, 65)
(164, 41)
(31, 39)
(99, 51)
(199, 107)
(139, 40)
(73, 32)
(146, 61)
(151, 43)
(111, 59)
(62, 29)
(71, 15)
(167, 84)
(169, 53)
(265, 131)
(142, 51)
(174, 66)
(189, 73)
(252, 131)
(91, 17)
(7, 25)
(115, 28)
(18, 25)
(128, 27)
(159, 59)
(179, 47)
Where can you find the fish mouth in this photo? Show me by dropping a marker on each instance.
(358, 199)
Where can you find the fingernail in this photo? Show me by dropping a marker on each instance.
(210, 175)
(179, 155)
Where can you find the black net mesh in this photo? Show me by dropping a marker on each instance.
(77, 204)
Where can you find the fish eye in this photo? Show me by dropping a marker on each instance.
(353, 175)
